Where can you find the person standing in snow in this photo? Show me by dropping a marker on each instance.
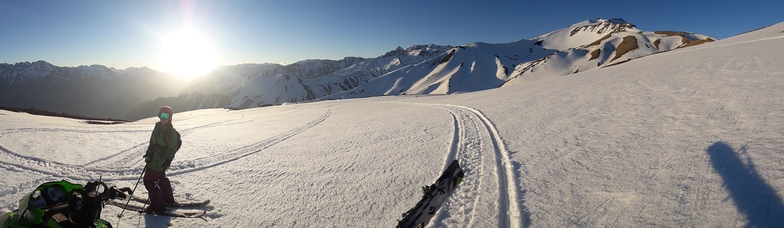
(164, 143)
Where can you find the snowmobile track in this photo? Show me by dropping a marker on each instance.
(472, 130)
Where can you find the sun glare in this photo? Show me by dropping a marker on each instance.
(187, 53)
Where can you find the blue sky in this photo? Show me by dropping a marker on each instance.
(125, 34)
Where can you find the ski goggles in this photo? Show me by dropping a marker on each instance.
(164, 116)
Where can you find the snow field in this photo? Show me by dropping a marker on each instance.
(690, 137)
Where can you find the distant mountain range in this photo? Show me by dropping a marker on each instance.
(136, 93)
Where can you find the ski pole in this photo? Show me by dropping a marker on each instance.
(129, 197)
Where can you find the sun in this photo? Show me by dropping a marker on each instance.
(187, 53)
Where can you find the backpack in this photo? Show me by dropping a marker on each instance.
(179, 140)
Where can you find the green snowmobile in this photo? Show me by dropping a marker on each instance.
(63, 204)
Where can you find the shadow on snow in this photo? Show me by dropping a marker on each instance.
(753, 196)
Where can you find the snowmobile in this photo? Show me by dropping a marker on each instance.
(63, 204)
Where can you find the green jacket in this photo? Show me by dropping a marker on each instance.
(163, 146)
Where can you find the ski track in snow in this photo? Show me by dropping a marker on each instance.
(229, 156)
(478, 146)
(11, 160)
(132, 156)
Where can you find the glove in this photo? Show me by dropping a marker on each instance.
(147, 155)
(166, 164)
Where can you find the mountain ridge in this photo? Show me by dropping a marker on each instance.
(418, 69)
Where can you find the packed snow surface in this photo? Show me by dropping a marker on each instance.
(691, 137)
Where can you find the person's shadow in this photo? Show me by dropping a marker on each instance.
(750, 193)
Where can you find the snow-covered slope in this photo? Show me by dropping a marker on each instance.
(479, 66)
(612, 44)
(583, 33)
(686, 138)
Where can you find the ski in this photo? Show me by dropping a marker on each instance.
(434, 197)
(171, 213)
(189, 204)
(183, 203)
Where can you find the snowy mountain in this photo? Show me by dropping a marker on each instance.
(256, 85)
(93, 91)
(434, 69)
(580, 47)
(419, 69)
(598, 43)
(685, 138)
(27, 73)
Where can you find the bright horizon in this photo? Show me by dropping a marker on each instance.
(192, 37)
